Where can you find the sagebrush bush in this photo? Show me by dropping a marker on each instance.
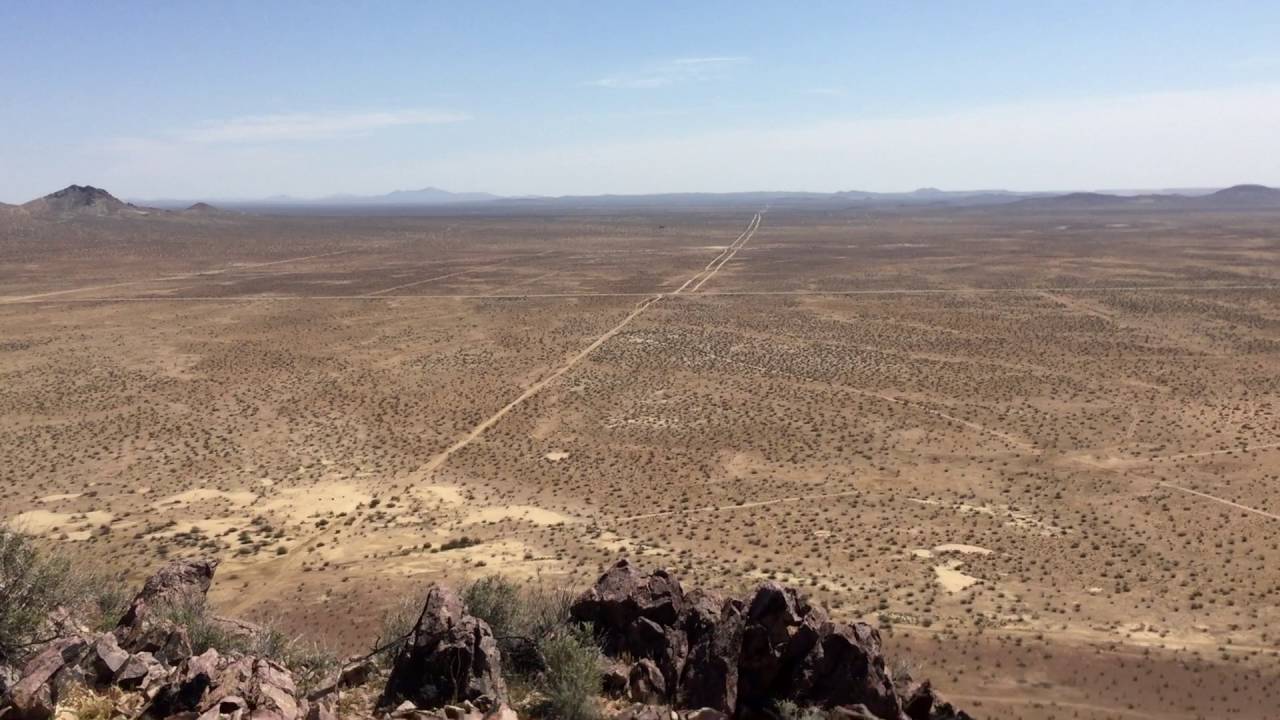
(542, 653)
(571, 681)
(35, 581)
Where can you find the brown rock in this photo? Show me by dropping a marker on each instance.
(845, 666)
(449, 657)
(645, 683)
(179, 581)
(35, 695)
(622, 595)
(106, 658)
(710, 676)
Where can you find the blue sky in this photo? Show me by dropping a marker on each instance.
(230, 99)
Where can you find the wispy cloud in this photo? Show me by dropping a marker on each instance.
(310, 126)
(672, 72)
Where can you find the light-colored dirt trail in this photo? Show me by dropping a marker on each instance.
(435, 462)
(1217, 499)
(738, 506)
(733, 249)
(1207, 453)
(443, 456)
(504, 261)
(182, 276)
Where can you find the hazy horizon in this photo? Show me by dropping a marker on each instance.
(308, 101)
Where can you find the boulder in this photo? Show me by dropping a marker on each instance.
(36, 693)
(645, 683)
(922, 703)
(845, 666)
(449, 657)
(144, 628)
(185, 689)
(262, 687)
(778, 631)
(667, 646)
(141, 672)
(179, 581)
(710, 676)
(622, 595)
(105, 659)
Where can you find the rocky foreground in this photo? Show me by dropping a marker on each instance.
(670, 655)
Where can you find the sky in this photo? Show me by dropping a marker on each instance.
(253, 99)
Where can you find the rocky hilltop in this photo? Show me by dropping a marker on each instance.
(81, 200)
(664, 654)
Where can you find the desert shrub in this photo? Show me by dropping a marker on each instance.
(203, 630)
(35, 581)
(396, 624)
(571, 681)
(544, 656)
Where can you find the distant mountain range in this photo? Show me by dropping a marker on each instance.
(86, 200)
(1241, 197)
(425, 196)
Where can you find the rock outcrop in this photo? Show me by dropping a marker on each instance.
(149, 657)
(741, 658)
(449, 657)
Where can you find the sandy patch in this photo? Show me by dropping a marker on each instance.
(950, 577)
(200, 495)
(922, 553)
(448, 493)
(958, 548)
(528, 513)
(60, 497)
(301, 503)
(556, 455)
(45, 521)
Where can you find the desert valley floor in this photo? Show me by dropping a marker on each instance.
(1041, 450)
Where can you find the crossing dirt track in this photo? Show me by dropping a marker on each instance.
(1040, 449)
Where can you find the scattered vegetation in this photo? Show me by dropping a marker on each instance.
(552, 663)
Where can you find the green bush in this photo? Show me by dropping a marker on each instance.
(34, 582)
(571, 681)
(544, 656)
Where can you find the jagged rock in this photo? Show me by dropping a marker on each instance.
(710, 676)
(179, 581)
(703, 609)
(261, 686)
(35, 695)
(773, 642)
(622, 595)
(845, 666)
(141, 672)
(450, 656)
(105, 658)
(645, 683)
(922, 703)
(185, 689)
(666, 646)
(614, 679)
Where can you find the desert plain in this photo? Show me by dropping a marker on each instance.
(1039, 449)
